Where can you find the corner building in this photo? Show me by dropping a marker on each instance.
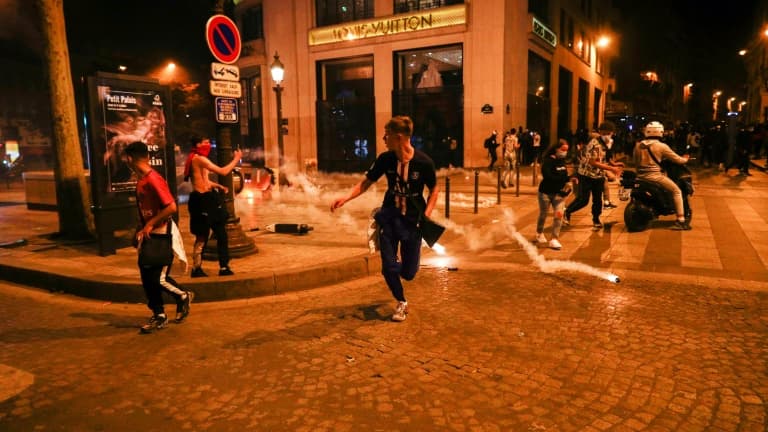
(460, 69)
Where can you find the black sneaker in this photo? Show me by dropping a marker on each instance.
(225, 271)
(198, 272)
(182, 307)
(680, 226)
(155, 323)
(596, 225)
(609, 205)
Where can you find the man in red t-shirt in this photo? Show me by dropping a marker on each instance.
(156, 206)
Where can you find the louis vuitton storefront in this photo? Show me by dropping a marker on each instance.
(459, 69)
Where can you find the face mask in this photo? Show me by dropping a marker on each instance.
(561, 154)
(203, 149)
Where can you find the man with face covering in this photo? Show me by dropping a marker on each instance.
(206, 204)
(592, 169)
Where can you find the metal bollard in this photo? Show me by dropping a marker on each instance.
(498, 185)
(477, 188)
(447, 197)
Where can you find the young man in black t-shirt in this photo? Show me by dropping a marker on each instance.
(408, 171)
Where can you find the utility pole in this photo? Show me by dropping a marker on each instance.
(75, 217)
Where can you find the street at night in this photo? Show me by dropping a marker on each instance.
(678, 345)
(222, 215)
(488, 347)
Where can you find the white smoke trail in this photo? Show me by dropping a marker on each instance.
(550, 266)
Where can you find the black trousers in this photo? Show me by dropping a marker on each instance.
(588, 186)
(208, 213)
(155, 280)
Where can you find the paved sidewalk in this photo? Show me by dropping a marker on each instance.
(727, 247)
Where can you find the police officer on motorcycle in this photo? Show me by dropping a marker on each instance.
(648, 155)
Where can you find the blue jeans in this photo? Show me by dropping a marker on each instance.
(558, 204)
(397, 232)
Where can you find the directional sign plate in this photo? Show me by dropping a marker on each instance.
(226, 110)
(223, 39)
(221, 71)
(226, 88)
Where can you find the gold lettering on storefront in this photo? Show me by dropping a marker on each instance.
(382, 28)
(441, 17)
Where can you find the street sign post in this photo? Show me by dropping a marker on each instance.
(221, 71)
(226, 110)
(223, 39)
(226, 89)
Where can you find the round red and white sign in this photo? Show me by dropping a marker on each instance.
(223, 39)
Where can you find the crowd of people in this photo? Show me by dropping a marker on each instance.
(584, 162)
(597, 159)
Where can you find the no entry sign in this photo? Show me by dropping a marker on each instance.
(223, 39)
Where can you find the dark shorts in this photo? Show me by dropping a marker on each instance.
(205, 210)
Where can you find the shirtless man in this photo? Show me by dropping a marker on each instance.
(207, 209)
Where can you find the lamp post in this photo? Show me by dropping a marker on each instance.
(277, 70)
(715, 97)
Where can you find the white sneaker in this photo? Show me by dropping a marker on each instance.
(554, 244)
(401, 311)
(540, 238)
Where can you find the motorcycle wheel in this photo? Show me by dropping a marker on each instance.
(636, 217)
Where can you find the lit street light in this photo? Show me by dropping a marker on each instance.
(715, 98)
(277, 70)
(687, 92)
(730, 101)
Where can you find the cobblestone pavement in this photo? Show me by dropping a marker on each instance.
(507, 349)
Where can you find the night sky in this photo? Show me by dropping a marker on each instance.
(698, 39)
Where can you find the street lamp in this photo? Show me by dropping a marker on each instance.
(741, 105)
(277, 70)
(730, 101)
(687, 92)
(715, 97)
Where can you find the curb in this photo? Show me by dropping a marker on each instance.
(215, 289)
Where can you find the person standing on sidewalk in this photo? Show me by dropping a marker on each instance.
(156, 206)
(553, 189)
(509, 151)
(491, 145)
(408, 171)
(207, 207)
(592, 168)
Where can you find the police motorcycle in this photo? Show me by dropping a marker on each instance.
(648, 200)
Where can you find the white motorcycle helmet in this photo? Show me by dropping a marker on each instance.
(654, 129)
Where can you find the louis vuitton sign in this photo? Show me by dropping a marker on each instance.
(395, 24)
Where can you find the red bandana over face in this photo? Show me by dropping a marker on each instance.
(202, 150)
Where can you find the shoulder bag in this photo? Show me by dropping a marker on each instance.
(156, 249)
